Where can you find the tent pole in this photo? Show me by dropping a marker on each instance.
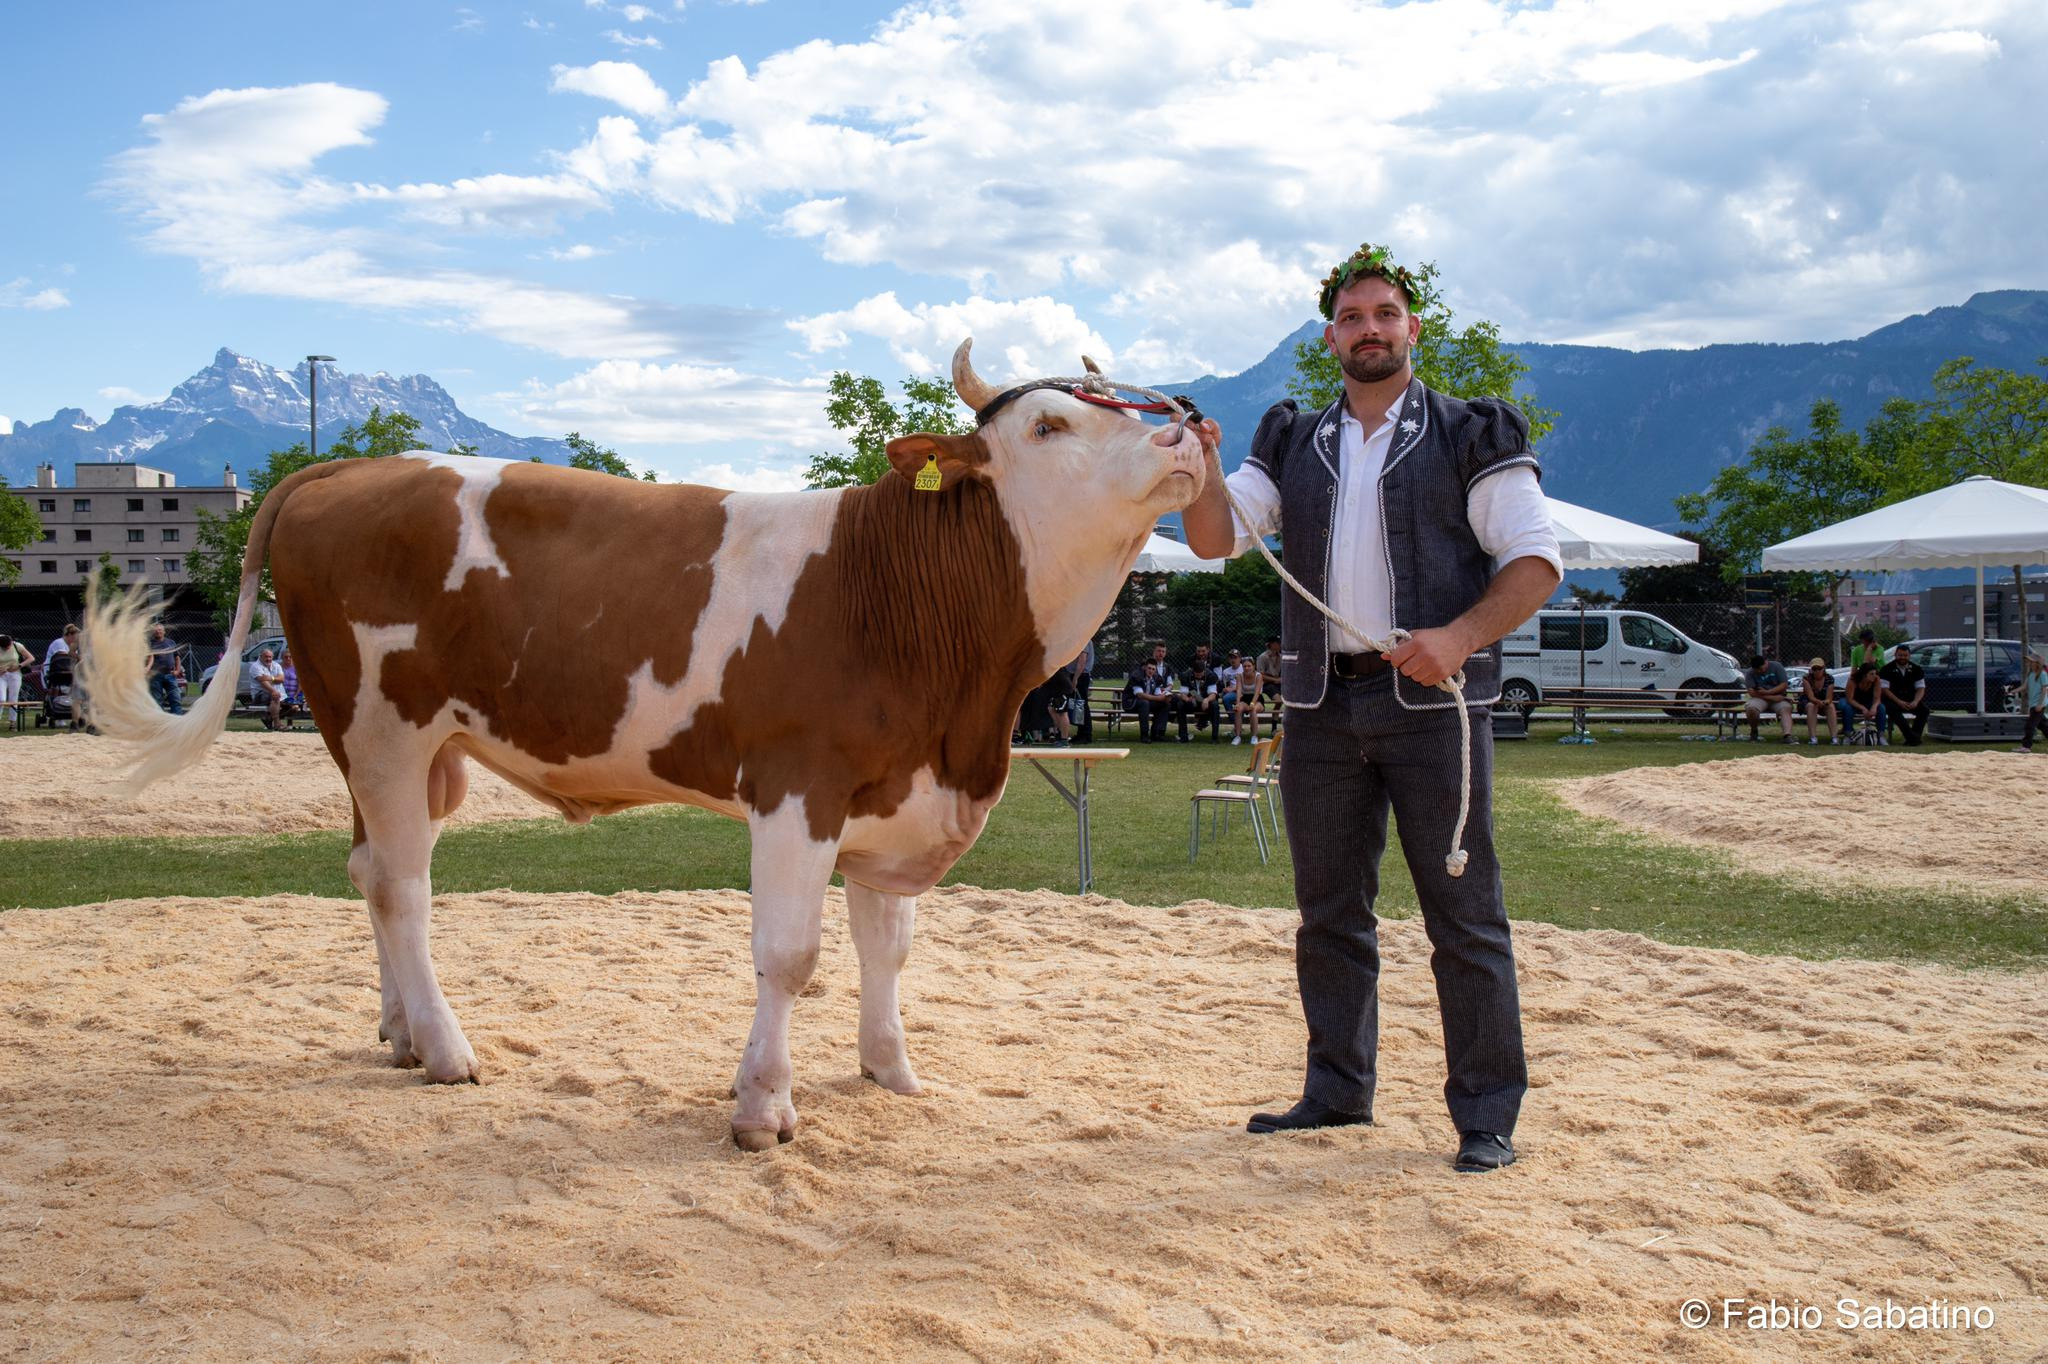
(1980, 636)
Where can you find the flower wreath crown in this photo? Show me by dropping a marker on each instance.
(1372, 260)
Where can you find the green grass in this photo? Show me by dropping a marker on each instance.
(1561, 867)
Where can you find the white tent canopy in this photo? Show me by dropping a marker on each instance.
(1978, 523)
(1590, 539)
(1162, 555)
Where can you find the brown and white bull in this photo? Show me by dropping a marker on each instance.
(603, 643)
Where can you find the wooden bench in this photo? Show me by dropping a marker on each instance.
(18, 712)
(1720, 706)
(1106, 707)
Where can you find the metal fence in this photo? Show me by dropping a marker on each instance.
(199, 640)
(1791, 632)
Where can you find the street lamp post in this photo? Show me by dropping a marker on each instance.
(313, 398)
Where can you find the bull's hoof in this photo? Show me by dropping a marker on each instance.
(462, 1071)
(754, 1139)
(896, 1079)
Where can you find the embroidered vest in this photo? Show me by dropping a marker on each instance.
(1441, 447)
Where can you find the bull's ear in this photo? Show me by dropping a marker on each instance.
(956, 457)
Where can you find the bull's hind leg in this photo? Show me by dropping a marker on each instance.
(881, 925)
(790, 873)
(397, 824)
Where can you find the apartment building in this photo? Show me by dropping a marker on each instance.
(137, 514)
(1954, 610)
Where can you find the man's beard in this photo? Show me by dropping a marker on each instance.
(1369, 366)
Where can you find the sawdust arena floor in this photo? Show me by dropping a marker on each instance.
(203, 1154)
(61, 785)
(1968, 823)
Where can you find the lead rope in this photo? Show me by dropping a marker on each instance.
(1454, 863)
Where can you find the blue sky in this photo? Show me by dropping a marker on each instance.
(664, 225)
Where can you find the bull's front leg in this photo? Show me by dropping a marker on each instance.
(882, 925)
(790, 873)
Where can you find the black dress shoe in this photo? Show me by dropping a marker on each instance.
(1305, 1116)
(1479, 1152)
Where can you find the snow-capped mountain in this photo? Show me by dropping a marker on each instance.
(236, 411)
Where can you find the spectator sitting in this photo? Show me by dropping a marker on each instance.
(1199, 687)
(1227, 682)
(294, 699)
(1145, 696)
(1248, 700)
(166, 674)
(13, 658)
(2034, 699)
(1817, 693)
(1905, 694)
(1767, 691)
(1863, 703)
(1269, 672)
(269, 687)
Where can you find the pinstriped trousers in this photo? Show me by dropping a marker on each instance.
(1348, 762)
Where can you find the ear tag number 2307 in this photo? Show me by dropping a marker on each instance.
(928, 478)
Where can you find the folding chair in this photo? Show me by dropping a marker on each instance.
(1221, 801)
(1263, 779)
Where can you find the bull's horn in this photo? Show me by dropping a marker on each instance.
(1088, 363)
(966, 382)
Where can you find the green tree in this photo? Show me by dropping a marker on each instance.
(1987, 421)
(1788, 486)
(588, 454)
(860, 406)
(19, 529)
(462, 447)
(1700, 583)
(105, 584)
(1467, 362)
(1593, 596)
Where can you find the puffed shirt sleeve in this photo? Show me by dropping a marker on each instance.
(1510, 518)
(1257, 495)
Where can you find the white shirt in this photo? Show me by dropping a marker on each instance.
(1506, 510)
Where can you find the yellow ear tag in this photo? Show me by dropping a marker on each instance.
(929, 478)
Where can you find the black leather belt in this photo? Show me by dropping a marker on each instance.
(1358, 665)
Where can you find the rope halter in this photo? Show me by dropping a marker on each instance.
(1094, 387)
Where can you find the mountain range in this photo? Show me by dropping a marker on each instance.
(1634, 430)
(1637, 428)
(236, 411)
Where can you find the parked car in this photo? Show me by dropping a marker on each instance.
(245, 687)
(1623, 648)
(1951, 668)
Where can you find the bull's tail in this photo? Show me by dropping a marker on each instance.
(113, 672)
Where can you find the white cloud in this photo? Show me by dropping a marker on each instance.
(760, 478)
(20, 293)
(1018, 338)
(580, 251)
(1955, 42)
(1199, 164)
(622, 83)
(226, 182)
(647, 40)
(119, 396)
(503, 203)
(625, 402)
(6, 426)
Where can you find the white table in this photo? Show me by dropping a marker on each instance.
(1083, 760)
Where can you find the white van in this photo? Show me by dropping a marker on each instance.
(1623, 648)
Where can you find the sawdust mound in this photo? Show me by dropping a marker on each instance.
(202, 1154)
(262, 783)
(1965, 822)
